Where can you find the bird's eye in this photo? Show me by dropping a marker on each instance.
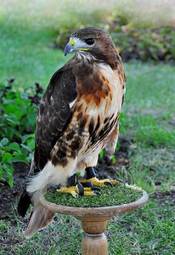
(89, 41)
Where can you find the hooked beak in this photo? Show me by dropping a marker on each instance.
(68, 49)
(70, 46)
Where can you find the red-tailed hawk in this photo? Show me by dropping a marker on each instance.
(78, 116)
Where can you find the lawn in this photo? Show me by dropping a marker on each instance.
(27, 53)
(148, 120)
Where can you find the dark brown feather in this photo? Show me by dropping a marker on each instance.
(54, 113)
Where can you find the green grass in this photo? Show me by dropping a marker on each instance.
(27, 53)
(149, 106)
(108, 196)
(148, 119)
(149, 231)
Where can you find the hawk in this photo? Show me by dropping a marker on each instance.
(78, 116)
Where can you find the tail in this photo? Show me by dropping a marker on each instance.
(41, 215)
(24, 203)
(40, 218)
(25, 198)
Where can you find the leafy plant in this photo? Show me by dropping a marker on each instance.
(17, 118)
(146, 44)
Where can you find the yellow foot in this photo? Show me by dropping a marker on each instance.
(73, 190)
(77, 190)
(99, 183)
(89, 192)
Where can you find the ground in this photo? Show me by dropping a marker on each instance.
(146, 154)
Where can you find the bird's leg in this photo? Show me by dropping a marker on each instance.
(71, 187)
(75, 188)
(90, 177)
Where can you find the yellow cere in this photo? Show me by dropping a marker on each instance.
(71, 41)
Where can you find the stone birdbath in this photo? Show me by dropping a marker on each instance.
(95, 212)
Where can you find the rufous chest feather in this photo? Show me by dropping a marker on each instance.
(101, 89)
(102, 92)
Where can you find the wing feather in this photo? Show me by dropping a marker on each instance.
(54, 114)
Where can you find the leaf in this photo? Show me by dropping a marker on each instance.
(17, 123)
(102, 154)
(28, 137)
(6, 157)
(4, 141)
(19, 156)
(9, 172)
(14, 146)
(6, 173)
(113, 160)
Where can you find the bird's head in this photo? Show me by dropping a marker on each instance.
(91, 40)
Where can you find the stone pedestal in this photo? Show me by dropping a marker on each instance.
(94, 221)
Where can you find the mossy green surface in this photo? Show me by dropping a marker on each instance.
(107, 196)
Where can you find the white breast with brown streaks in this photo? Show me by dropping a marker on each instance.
(115, 86)
(102, 118)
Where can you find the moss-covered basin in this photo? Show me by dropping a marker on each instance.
(107, 196)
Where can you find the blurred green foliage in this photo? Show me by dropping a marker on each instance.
(145, 44)
(132, 41)
(17, 124)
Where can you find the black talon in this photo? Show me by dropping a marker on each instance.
(97, 192)
(95, 189)
(87, 184)
(80, 189)
(108, 184)
(72, 180)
